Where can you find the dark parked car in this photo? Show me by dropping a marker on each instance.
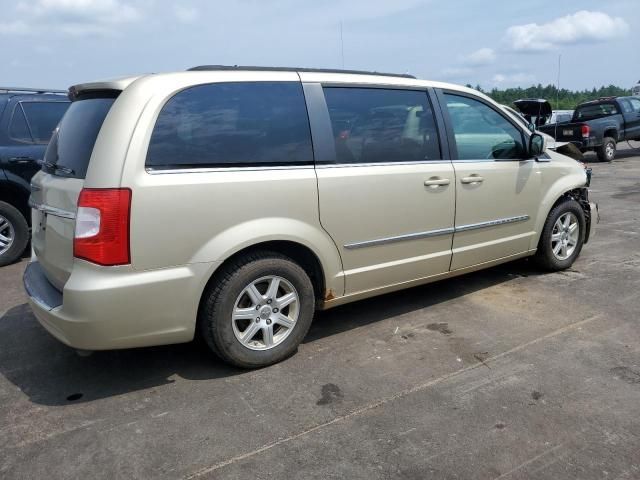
(599, 125)
(27, 120)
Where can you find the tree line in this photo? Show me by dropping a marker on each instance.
(560, 100)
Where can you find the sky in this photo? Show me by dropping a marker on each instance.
(58, 43)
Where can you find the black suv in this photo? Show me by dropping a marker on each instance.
(27, 120)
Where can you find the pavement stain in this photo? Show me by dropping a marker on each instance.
(441, 327)
(536, 395)
(626, 374)
(331, 393)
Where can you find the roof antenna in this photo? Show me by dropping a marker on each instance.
(341, 44)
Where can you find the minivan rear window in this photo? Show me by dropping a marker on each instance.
(232, 125)
(71, 145)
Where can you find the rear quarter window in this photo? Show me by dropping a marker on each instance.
(232, 125)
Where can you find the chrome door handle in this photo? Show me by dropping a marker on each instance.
(472, 179)
(21, 160)
(437, 182)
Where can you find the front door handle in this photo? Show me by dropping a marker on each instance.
(472, 179)
(21, 160)
(437, 182)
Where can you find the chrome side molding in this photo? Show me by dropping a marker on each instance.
(492, 223)
(400, 238)
(56, 212)
(436, 233)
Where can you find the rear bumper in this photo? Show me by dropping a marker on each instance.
(110, 308)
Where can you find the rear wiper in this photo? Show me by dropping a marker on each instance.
(65, 170)
(57, 168)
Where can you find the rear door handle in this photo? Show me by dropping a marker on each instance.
(21, 160)
(472, 179)
(437, 182)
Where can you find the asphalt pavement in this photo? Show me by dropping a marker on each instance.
(508, 373)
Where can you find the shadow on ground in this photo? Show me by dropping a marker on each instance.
(50, 373)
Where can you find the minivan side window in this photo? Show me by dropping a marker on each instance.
(43, 117)
(481, 132)
(232, 124)
(374, 125)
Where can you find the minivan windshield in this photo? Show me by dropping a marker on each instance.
(71, 145)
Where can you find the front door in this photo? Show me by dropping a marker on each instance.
(387, 198)
(497, 191)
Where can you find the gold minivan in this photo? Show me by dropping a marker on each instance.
(232, 202)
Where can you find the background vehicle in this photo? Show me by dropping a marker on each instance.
(27, 120)
(535, 110)
(234, 201)
(560, 116)
(564, 148)
(599, 125)
(635, 91)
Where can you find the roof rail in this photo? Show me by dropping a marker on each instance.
(293, 69)
(29, 90)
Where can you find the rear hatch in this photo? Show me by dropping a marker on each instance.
(535, 110)
(55, 189)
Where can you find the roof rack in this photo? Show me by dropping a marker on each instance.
(29, 90)
(293, 69)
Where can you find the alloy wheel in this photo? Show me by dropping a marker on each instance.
(7, 235)
(265, 313)
(565, 236)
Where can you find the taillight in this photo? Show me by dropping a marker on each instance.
(585, 131)
(102, 226)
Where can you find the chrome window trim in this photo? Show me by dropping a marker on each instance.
(56, 212)
(486, 160)
(438, 232)
(155, 171)
(382, 164)
(400, 238)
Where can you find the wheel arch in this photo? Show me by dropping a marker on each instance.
(611, 132)
(17, 196)
(570, 186)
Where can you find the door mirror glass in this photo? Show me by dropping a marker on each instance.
(537, 145)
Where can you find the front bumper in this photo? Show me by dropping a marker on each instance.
(110, 308)
(593, 220)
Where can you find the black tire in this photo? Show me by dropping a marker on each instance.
(607, 151)
(18, 224)
(545, 257)
(219, 299)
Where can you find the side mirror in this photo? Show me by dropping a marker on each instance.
(537, 145)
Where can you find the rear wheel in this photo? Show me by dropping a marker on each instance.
(562, 236)
(14, 233)
(258, 310)
(607, 152)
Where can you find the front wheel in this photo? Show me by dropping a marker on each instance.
(562, 236)
(258, 310)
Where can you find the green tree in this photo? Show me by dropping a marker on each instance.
(562, 99)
